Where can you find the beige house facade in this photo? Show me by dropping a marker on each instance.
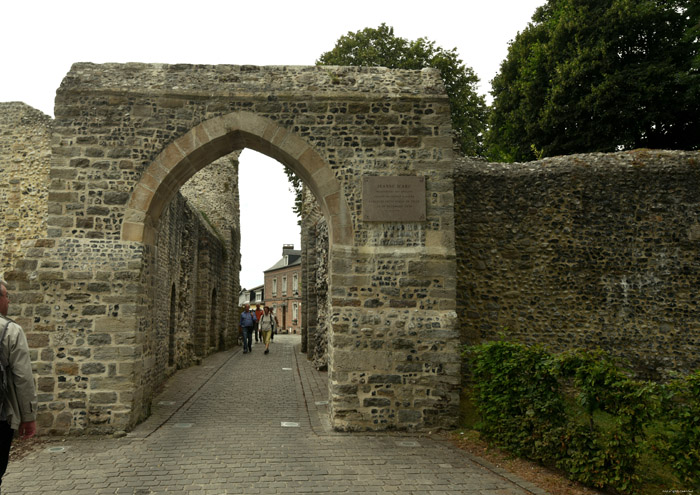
(283, 289)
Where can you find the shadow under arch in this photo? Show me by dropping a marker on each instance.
(218, 137)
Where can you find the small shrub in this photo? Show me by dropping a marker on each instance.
(517, 397)
(579, 412)
(602, 387)
(679, 442)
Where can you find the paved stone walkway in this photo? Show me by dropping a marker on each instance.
(253, 424)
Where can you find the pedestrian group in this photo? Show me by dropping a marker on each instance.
(261, 324)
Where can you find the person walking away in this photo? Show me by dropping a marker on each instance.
(267, 325)
(258, 314)
(19, 402)
(247, 327)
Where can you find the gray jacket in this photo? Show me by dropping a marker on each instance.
(20, 402)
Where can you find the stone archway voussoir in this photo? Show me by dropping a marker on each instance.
(132, 215)
(215, 128)
(170, 157)
(149, 181)
(332, 202)
(293, 146)
(132, 231)
(325, 181)
(311, 161)
(141, 198)
(249, 123)
(192, 141)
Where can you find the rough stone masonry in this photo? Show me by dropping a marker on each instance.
(124, 141)
(119, 281)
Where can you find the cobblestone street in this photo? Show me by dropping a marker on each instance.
(253, 424)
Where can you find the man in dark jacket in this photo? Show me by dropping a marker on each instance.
(248, 322)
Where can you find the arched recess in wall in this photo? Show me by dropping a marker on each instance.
(218, 137)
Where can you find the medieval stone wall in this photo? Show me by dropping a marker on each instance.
(315, 282)
(597, 250)
(25, 152)
(97, 363)
(193, 285)
(214, 193)
(126, 136)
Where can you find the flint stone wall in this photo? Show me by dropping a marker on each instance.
(315, 282)
(589, 251)
(25, 153)
(579, 251)
(127, 137)
(96, 362)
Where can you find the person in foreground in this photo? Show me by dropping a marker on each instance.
(19, 404)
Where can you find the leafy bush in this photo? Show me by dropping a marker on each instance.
(517, 397)
(581, 413)
(603, 388)
(679, 443)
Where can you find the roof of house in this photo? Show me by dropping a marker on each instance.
(290, 257)
(291, 261)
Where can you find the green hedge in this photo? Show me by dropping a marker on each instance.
(581, 413)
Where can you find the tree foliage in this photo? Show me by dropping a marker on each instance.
(599, 75)
(380, 47)
(296, 186)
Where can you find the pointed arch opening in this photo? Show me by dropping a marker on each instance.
(218, 137)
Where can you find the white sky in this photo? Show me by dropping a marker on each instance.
(40, 39)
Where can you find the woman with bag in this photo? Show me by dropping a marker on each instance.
(267, 325)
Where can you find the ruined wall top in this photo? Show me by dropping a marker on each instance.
(206, 80)
(214, 192)
(16, 113)
(25, 156)
(588, 163)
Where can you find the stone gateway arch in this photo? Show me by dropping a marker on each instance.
(100, 290)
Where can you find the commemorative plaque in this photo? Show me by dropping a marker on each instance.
(398, 198)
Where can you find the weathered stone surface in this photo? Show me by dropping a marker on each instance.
(127, 138)
(591, 251)
(87, 288)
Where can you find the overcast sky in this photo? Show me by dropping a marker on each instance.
(40, 40)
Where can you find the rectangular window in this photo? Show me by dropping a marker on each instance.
(284, 285)
(295, 312)
(274, 286)
(295, 284)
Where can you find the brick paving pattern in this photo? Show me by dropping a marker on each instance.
(253, 424)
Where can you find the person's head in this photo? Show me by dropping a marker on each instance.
(257, 306)
(267, 309)
(4, 299)
(246, 307)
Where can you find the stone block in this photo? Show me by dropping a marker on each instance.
(46, 384)
(92, 368)
(115, 198)
(103, 398)
(66, 369)
(94, 309)
(37, 340)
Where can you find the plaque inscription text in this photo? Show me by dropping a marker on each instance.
(393, 199)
